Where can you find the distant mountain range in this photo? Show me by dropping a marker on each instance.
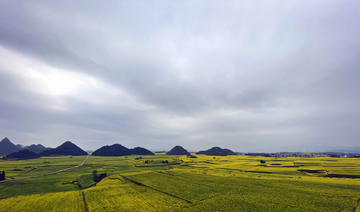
(178, 150)
(68, 148)
(36, 148)
(119, 150)
(7, 147)
(217, 151)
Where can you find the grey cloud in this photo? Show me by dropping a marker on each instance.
(291, 67)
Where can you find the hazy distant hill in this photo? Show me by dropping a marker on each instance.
(178, 150)
(120, 150)
(66, 148)
(355, 149)
(217, 151)
(7, 147)
(22, 154)
(36, 148)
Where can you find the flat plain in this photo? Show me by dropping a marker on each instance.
(180, 183)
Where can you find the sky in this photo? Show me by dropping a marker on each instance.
(252, 76)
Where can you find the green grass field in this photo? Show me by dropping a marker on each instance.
(206, 183)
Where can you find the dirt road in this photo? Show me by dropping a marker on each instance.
(64, 170)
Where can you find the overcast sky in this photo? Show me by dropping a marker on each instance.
(245, 75)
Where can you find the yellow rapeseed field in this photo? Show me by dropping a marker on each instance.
(59, 201)
(205, 183)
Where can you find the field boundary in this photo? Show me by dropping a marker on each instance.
(41, 175)
(140, 184)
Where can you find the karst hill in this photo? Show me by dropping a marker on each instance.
(120, 150)
(67, 148)
(7, 147)
(22, 155)
(216, 151)
(178, 150)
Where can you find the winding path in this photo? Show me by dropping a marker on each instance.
(64, 170)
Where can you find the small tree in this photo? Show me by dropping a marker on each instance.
(98, 178)
(262, 161)
(2, 176)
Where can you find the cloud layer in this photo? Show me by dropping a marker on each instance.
(248, 75)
